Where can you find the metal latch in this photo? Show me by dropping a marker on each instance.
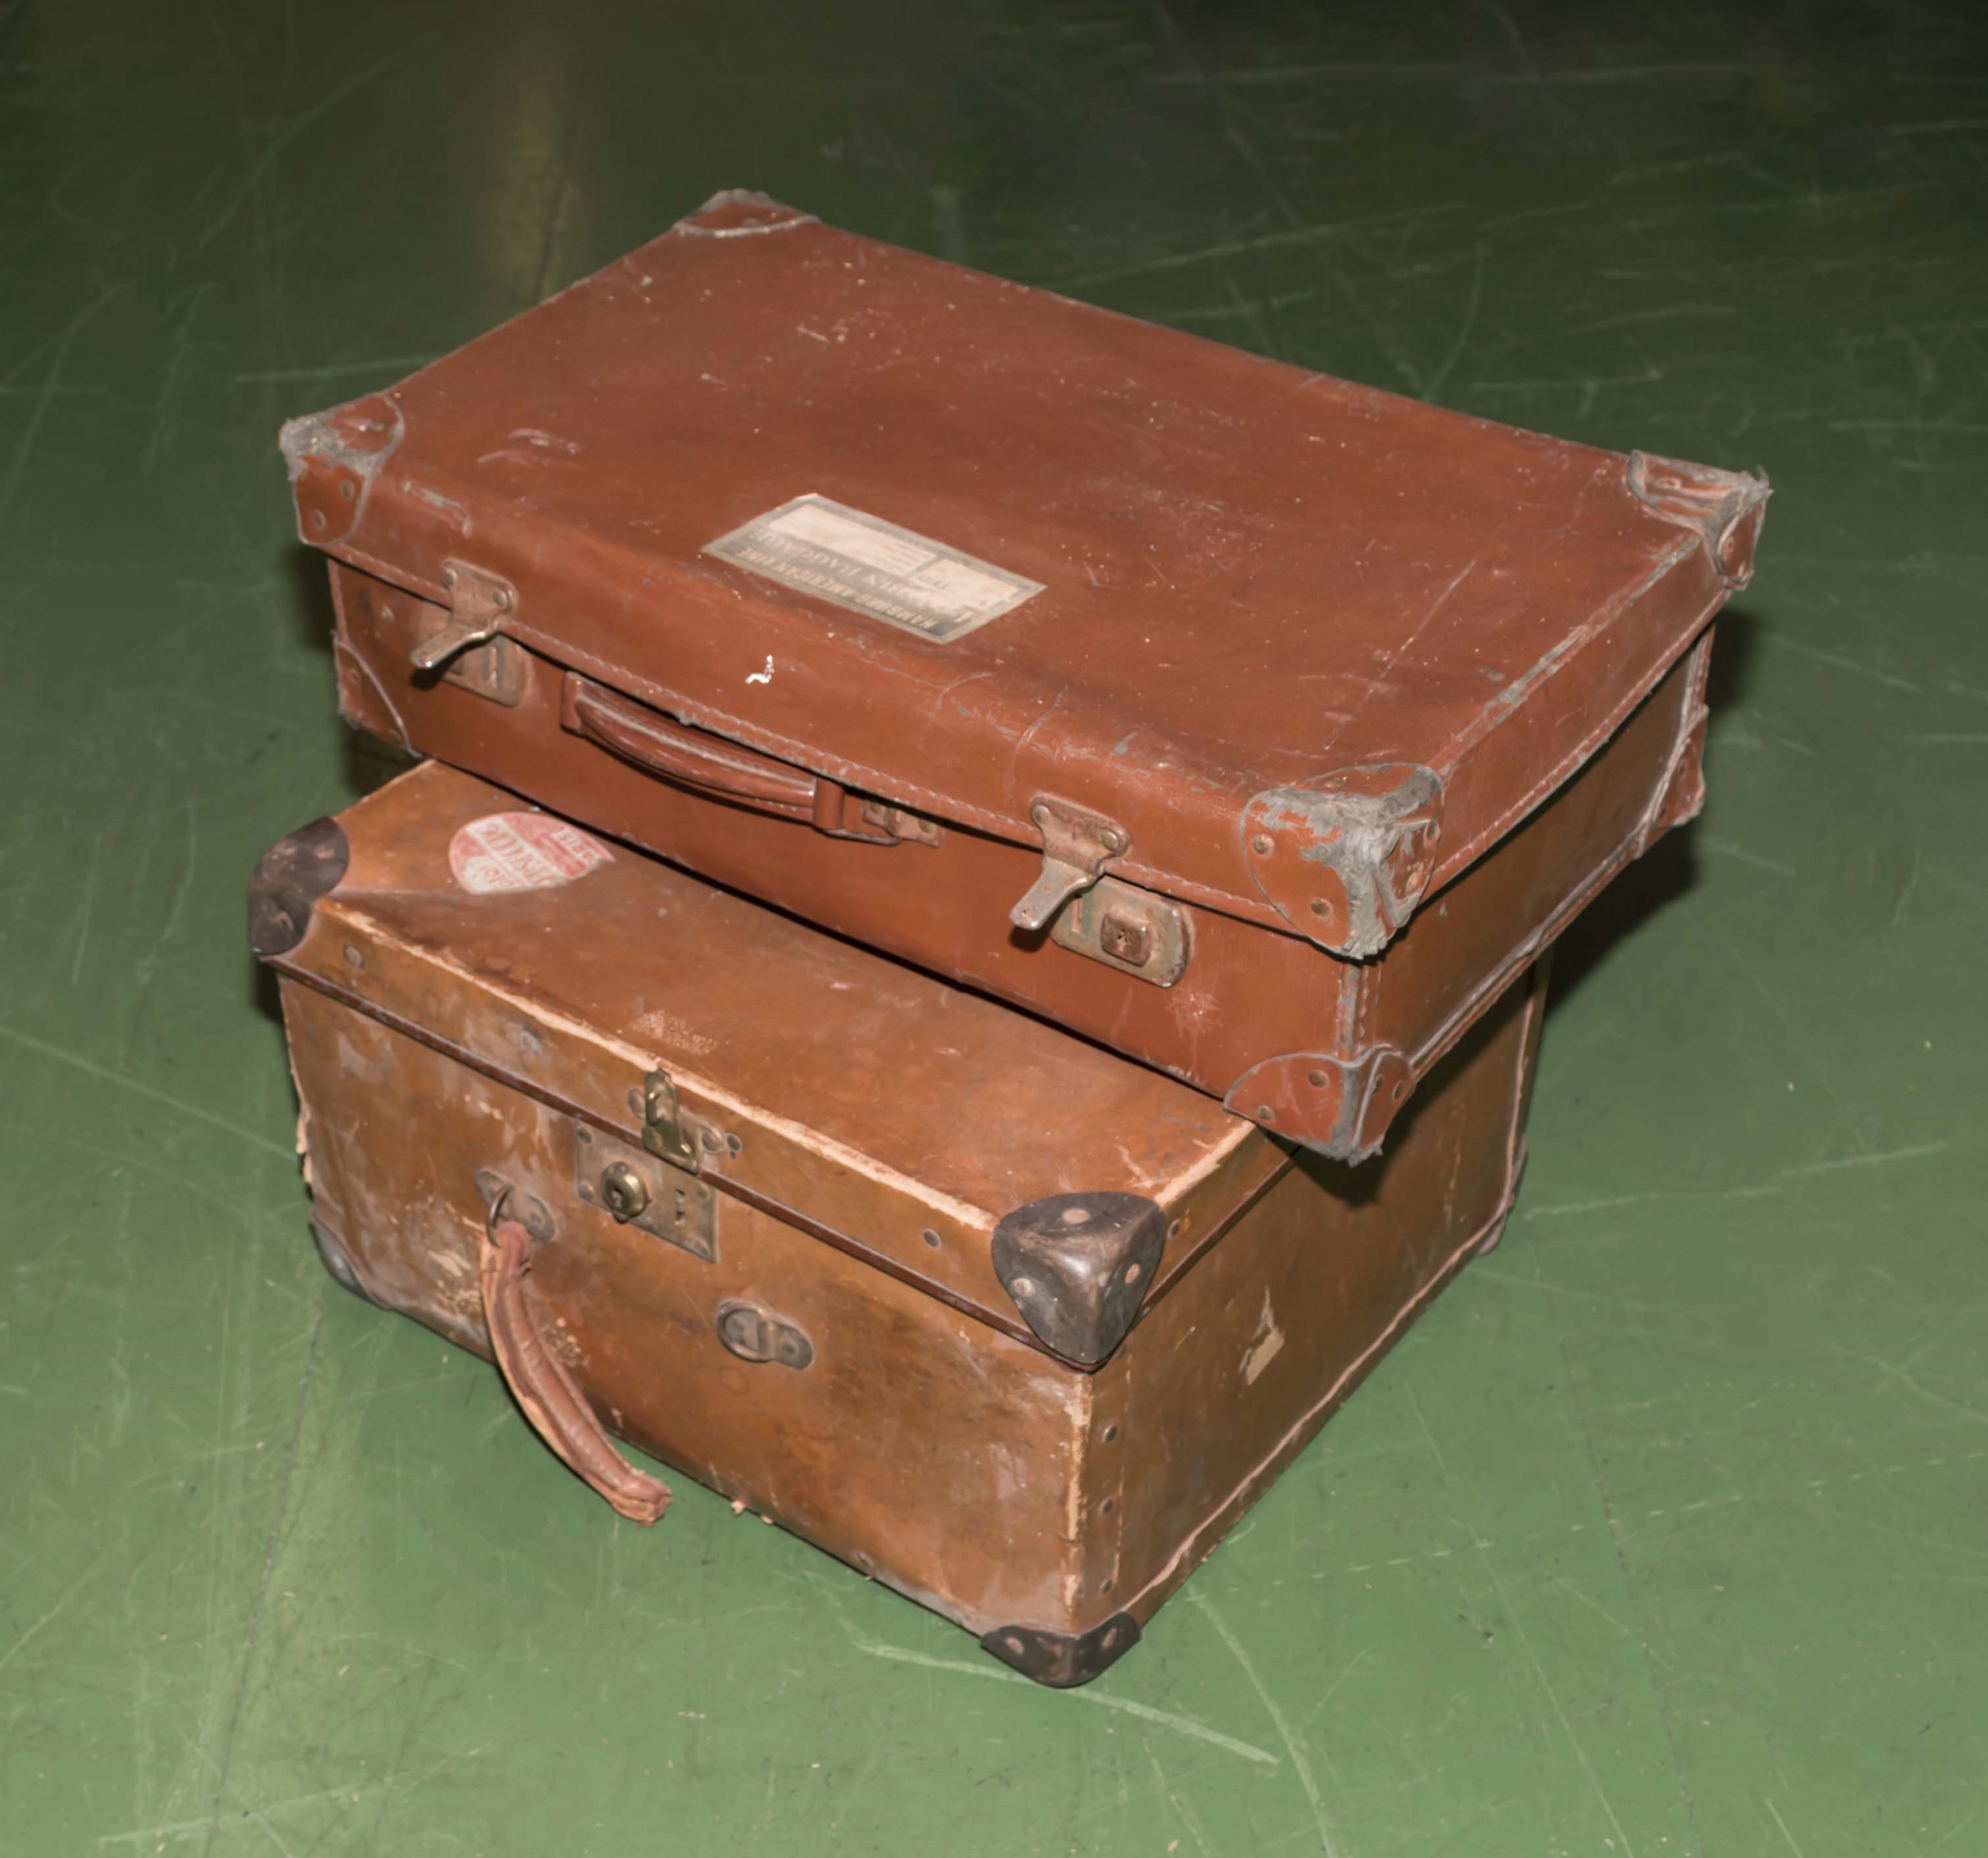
(663, 1132)
(1076, 846)
(1126, 927)
(478, 601)
(635, 1188)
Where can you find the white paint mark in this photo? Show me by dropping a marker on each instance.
(762, 677)
(1265, 1346)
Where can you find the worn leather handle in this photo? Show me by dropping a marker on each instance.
(692, 759)
(556, 1408)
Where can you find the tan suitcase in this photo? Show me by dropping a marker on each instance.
(1001, 1319)
(1258, 725)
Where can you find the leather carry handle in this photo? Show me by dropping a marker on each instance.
(708, 764)
(552, 1402)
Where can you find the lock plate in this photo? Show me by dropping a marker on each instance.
(1128, 929)
(635, 1188)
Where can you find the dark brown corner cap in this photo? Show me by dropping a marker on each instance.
(1063, 1661)
(735, 211)
(1078, 1266)
(289, 879)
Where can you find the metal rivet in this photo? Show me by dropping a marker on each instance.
(1112, 841)
(733, 1145)
(1039, 814)
(1320, 907)
(711, 1140)
(1109, 1433)
(1013, 1642)
(386, 614)
(355, 957)
(1264, 1113)
(347, 490)
(1023, 1287)
(1107, 1506)
(1401, 1090)
(931, 1238)
(637, 1103)
(1316, 1079)
(1262, 844)
(448, 576)
(1075, 1215)
(1134, 1273)
(317, 521)
(1106, 1585)
(1174, 1228)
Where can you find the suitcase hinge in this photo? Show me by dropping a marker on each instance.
(1077, 846)
(478, 601)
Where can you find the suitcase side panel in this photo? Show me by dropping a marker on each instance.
(1495, 919)
(920, 1446)
(1250, 997)
(1228, 1379)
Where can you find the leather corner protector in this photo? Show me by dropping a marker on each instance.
(1337, 1109)
(1063, 1661)
(735, 212)
(1344, 859)
(332, 458)
(1726, 508)
(1078, 1266)
(289, 879)
(339, 1265)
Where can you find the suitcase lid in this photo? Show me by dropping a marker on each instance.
(1271, 642)
(1033, 1179)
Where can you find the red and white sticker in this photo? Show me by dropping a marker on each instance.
(522, 852)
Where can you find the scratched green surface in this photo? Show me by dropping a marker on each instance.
(1663, 1535)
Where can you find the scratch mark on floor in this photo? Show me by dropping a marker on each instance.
(52, 384)
(146, 1090)
(1865, 1161)
(253, 1637)
(1302, 1767)
(1184, 1725)
(278, 142)
(1783, 1825)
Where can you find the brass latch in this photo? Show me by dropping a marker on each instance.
(479, 602)
(637, 1187)
(1076, 845)
(663, 1131)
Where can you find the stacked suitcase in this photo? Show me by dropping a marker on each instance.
(1145, 781)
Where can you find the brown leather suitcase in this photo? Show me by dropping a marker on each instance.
(1003, 1320)
(1258, 725)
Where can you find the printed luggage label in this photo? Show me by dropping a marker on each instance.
(504, 852)
(872, 567)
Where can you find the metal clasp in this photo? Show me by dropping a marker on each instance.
(1077, 845)
(478, 601)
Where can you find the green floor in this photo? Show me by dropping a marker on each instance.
(1665, 1533)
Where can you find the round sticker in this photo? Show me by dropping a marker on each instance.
(522, 852)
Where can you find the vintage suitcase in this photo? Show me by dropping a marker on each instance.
(1001, 1319)
(1260, 726)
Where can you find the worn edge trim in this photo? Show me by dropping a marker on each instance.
(908, 1275)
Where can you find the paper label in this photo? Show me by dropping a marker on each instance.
(522, 852)
(870, 566)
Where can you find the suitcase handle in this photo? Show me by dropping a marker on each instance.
(552, 1402)
(690, 758)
